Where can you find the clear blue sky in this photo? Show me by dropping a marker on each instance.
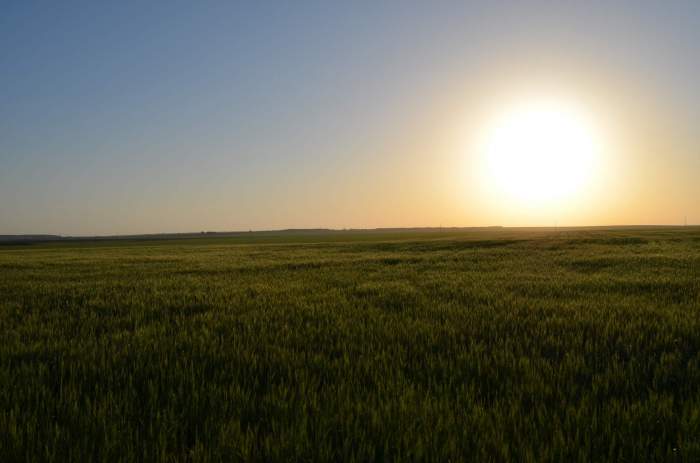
(185, 116)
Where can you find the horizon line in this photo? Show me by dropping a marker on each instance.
(192, 234)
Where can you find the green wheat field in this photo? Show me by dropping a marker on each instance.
(453, 345)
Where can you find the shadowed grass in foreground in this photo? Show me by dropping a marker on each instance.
(490, 346)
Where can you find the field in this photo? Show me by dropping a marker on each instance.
(486, 345)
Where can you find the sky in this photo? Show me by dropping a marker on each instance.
(147, 117)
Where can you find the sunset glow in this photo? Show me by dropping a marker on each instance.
(539, 152)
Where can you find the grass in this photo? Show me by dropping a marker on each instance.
(496, 345)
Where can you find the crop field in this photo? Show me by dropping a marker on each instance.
(486, 345)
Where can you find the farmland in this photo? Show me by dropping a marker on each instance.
(484, 345)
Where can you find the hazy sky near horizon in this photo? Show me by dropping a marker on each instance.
(139, 117)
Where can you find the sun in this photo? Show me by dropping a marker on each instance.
(540, 151)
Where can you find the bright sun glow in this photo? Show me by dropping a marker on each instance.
(540, 152)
